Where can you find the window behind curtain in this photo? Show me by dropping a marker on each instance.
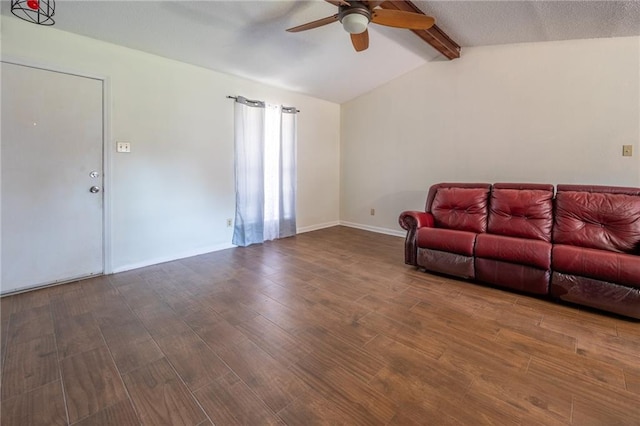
(265, 151)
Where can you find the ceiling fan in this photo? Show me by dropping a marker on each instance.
(356, 15)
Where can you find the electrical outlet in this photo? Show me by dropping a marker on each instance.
(373, 212)
(229, 223)
(627, 150)
(123, 147)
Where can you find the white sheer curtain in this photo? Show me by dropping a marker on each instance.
(265, 165)
(288, 177)
(249, 168)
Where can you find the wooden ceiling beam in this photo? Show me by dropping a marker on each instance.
(437, 38)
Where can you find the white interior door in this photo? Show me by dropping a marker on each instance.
(51, 156)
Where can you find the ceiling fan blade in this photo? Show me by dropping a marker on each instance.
(360, 41)
(400, 19)
(338, 2)
(314, 24)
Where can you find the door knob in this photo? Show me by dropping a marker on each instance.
(94, 189)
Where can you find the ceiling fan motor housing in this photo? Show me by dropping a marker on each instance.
(354, 18)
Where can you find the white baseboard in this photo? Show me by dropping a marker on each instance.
(197, 252)
(317, 227)
(377, 229)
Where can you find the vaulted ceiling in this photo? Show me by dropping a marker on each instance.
(248, 38)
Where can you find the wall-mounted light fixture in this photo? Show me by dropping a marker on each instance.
(36, 11)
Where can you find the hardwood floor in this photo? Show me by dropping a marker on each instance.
(329, 327)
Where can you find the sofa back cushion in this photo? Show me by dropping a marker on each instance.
(460, 208)
(521, 210)
(599, 217)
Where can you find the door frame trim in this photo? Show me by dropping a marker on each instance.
(107, 157)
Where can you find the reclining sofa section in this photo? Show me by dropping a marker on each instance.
(582, 246)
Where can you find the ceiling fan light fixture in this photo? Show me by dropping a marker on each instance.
(355, 23)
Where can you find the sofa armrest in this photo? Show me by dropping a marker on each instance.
(415, 219)
(412, 221)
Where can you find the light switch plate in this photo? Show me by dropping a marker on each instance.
(123, 146)
(627, 150)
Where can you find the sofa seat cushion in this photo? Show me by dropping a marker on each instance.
(602, 265)
(535, 253)
(447, 240)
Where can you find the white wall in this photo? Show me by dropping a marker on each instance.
(555, 112)
(172, 195)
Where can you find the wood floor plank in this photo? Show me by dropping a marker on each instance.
(91, 383)
(69, 304)
(599, 393)
(539, 342)
(4, 339)
(121, 327)
(229, 401)
(333, 350)
(346, 391)
(25, 301)
(139, 295)
(284, 317)
(433, 379)
(196, 314)
(102, 299)
(343, 325)
(272, 339)
(160, 320)
(479, 356)
(632, 380)
(313, 409)
(337, 287)
(268, 378)
(523, 394)
(578, 326)
(129, 356)
(615, 350)
(30, 323)
(192, 359)
(42, 406)
(591, 411)
(29, 365)
(404, 420)
(593, 370)
(485, 410)
(233, 305)
(628, 329)
(452, 320)
(77, 334)
(221, 335)
(429, 343)
(161, 398)
(416, 398)
(120, 414)
(6, 307)
(128, 277)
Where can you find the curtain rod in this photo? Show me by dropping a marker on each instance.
(257, 102)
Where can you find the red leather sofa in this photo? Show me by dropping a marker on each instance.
(581, 246)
